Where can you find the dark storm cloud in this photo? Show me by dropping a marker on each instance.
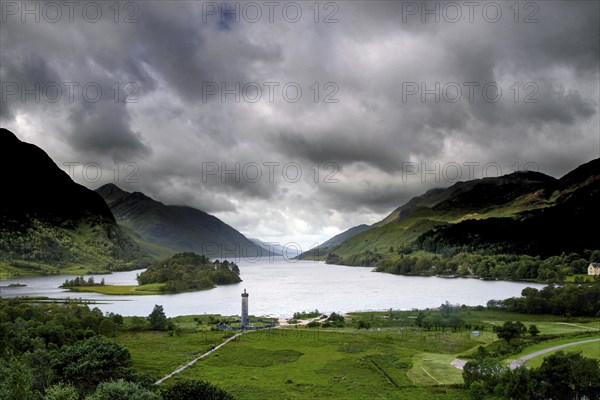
(176, 43)
(23, 72)
(370, 54)
(104, 128)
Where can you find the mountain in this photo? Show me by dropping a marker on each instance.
(164, 230)
(341, 237)
(563, 227)
(523, 212)
(320, 252)
(50, 224)
(277, 249)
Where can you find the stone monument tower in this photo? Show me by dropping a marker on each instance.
(244, 321)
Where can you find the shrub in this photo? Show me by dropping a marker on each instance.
(195, 390)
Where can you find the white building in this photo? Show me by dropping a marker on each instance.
(594, 269)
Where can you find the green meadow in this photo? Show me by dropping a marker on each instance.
(305, 363)
(391, 360)
(151, 289)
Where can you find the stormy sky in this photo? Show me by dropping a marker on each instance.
(293, 121)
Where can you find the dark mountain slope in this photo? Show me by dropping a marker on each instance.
(568, 225)
(50, 224)
(164, 229)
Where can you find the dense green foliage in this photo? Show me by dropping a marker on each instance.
(306, 314)
(15, 380)
(90, 362)
(491, 266)
(562, 376)
(193, 389)
(40, 247)
(61, 391)
(26, 327)
(190, 271)
(81, 281)
(57, 352)
(570, 300)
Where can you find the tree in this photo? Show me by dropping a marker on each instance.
(195, 390)
(158, 319)
(363, 324)
(86, 364)
(488, 371)
(569, 376)
(427, 322)
(420, 318)
(455, 322)
(108, 327)
(122, 390)
(533, 330)
(510, 330)
(519, 384)
(116, 318)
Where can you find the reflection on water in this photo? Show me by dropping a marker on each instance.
(280, 288)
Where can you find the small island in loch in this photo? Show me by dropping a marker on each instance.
(183, 272)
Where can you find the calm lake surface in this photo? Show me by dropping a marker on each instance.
(279, 288)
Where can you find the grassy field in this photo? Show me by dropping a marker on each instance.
(434, 368)
(392, 360)
(152, 288)
(584, 277)
(125, 290)
(314, 364)
(158, 353)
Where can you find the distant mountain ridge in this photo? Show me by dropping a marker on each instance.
(277, 249)
(164, 230)
(341, 237)
(50, 224)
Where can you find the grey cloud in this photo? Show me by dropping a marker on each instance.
(369, 53)
(104, 129)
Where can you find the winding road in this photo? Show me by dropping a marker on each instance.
(458, 363)
(517, 363)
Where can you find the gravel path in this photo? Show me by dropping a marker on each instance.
(178, 370)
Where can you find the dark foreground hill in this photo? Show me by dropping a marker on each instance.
(50, 224)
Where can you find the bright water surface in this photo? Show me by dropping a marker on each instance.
(280, 288)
